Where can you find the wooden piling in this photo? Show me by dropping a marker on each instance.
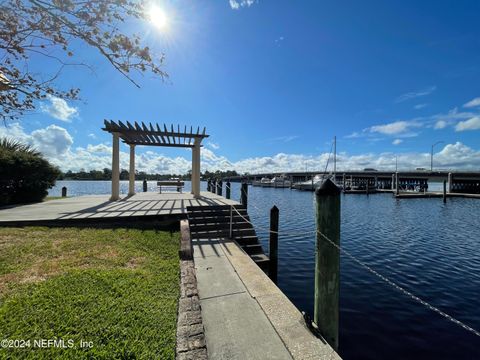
(327, 261)
(444, 191)
(219, 187)
(273, 252)
(145, 185)
(227, 190)
(244, 194)
(397, 187)
(64, 191)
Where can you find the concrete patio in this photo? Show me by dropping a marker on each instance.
(97, 207)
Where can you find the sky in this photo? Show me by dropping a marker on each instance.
(274, 81)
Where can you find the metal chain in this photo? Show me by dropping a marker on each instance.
(401, 289)
(376, 273)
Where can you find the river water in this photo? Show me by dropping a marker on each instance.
(429, 248)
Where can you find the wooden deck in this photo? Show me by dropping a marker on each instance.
(96, 209)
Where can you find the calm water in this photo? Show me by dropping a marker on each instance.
(430, 248)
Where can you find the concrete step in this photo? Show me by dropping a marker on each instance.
(247, 240)
(217, 219)
(213, 208)
(261, 260)
(253, 249)
(220, 226)
(220, 234)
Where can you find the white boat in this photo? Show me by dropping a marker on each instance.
(280, 181)
(264, 182)
(310, 185)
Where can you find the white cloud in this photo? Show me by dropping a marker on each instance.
(396, 128)
(56, 143)
(420, 106)
(415, 94)
(237, 4)
(470, 124)
(440, 124)
(52, 141)
(284, 139)
(214, 146)
(397, 141)
(92, 136)
(472, 103)
(59, 109)
(279, 40)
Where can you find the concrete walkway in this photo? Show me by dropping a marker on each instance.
(244, 314)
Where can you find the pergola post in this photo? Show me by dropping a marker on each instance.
(131, 172)
(196, 168)
(115, 167)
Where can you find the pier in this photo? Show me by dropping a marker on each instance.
(459, 182)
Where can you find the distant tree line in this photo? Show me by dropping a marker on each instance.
(106, 174)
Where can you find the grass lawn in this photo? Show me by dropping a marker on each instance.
(117, 289)
(48, 198)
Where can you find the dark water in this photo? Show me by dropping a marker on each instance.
(429, 248)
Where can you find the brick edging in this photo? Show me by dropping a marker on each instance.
(191, 344)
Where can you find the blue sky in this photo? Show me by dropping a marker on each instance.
(274, 81)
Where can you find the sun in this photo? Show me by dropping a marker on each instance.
(158, 17)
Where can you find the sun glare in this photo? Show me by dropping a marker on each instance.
(158, 17)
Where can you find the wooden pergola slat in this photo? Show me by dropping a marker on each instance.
(153, 135)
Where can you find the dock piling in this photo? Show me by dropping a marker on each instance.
(273, 252)
(444, 191)
(227, 190)
(397, 187)
(327, 261)
(145, 185)
(244, 194)
(64, 191)
(219, 187)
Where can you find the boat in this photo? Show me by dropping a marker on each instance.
(317, 180)
(264, 182)
(281, 181)
(310, 185)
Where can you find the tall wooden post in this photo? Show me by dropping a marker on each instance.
(343, 181)
(450, 182)
(219, 187)
(227, 190)
(273, 265)
(397, 188)
(327, 261)
(244, 194)
(444, 191)
(64, 191)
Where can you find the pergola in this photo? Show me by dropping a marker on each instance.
(152, 135)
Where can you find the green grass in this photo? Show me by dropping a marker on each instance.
(48, 198)
(116, 288)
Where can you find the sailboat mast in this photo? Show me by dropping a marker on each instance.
(334, 158)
